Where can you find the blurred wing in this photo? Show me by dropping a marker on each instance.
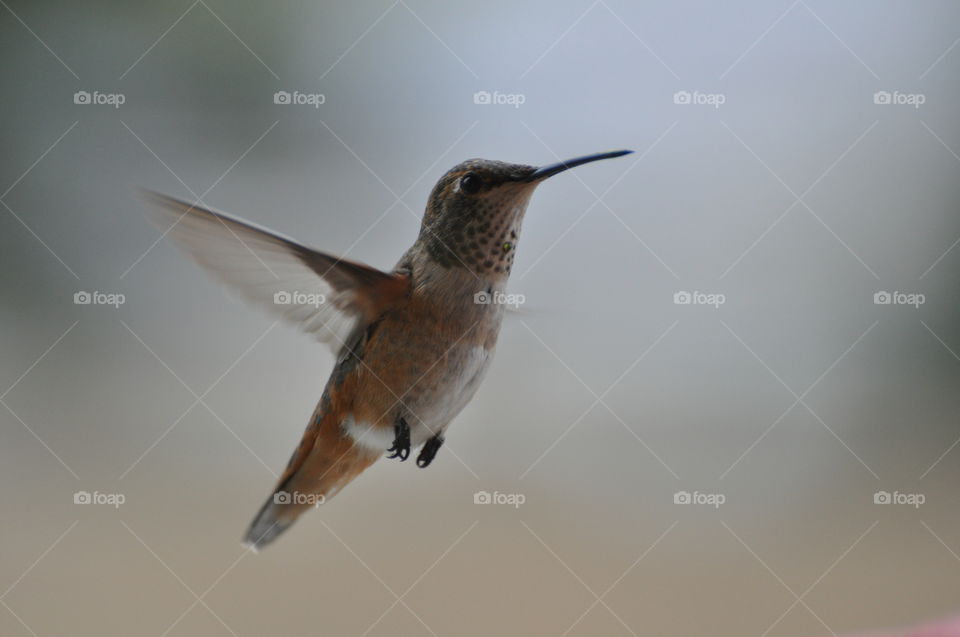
(325, 296)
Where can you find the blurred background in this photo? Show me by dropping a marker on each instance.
(778, 456)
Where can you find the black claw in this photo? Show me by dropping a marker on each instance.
(401, 440)
(429, 450)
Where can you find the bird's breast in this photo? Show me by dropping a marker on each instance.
(425, 361)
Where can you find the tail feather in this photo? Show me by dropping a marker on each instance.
(266, 527)
(326, 461)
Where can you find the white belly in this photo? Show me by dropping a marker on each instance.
(436, 406)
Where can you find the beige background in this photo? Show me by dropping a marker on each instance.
(692, 398)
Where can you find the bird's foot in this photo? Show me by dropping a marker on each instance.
(401, 440)
(429, 450)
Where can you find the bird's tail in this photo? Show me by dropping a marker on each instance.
(326, 461)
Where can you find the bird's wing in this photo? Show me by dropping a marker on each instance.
(323, 295)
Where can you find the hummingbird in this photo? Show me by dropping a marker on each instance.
(412, 345)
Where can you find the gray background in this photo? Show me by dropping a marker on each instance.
(797, 400)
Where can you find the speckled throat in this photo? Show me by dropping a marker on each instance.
(477, 230)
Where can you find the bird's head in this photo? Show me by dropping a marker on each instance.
(474, 213)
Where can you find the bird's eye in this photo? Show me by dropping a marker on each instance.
(470, 184)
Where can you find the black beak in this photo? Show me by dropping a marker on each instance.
(552, 169)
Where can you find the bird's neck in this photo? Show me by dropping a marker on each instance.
(454, 283)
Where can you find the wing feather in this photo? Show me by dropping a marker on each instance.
(325, 296)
